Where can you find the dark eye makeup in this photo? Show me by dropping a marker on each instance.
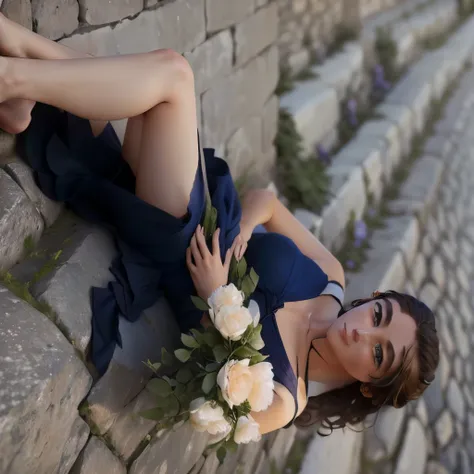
(377, 314)
(378, 351)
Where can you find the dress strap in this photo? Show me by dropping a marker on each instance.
(334, 289)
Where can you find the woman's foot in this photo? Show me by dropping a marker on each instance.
(15, 115)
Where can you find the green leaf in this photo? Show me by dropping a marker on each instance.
(248, 286)
(212, 367)
(154, 366)
(162, 402)
(257, 358)
(242, 268)
(209, 382)
(159, 387)
(173, 407)
(245, 352)
(183, 355)
(200, 303)
(221, 454)
(179, 390)
(189, 341)
(212, 337)
(184, 375)
(155, 414)
(256, 340)
(220, 353)
(198, 335)
(212, 221)
(166, 357)
(254, 277)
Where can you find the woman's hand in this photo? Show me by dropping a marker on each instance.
(207, 270)
(242, 239)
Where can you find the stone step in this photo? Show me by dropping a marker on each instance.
(43, 382)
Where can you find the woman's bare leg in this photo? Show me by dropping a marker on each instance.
(159, 85)
(15, 114)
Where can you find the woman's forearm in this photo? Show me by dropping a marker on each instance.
(257, 207)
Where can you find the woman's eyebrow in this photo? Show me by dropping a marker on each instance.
(390, 356)
(389, 313)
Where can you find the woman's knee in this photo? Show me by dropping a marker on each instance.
(178, 70)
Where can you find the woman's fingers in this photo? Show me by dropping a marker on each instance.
(195, 249)
(189, 260)
(201, 242)
(215, 243)
(242, 250)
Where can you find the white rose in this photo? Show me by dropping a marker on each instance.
(227, 295)
(247, 430)
(254, 311)
(231, 321)
(261, 395)
(235, 381)
(208, 417)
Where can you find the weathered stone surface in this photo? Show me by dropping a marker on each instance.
(434, 399)
(430, 295)
(173, 452)
(23, 175)
(96, 457)
(7, 148)
(311, 221)
(412, 458)
(444, 429)
(98, 42)
(99, 13)
(43, 382)
(19, 11)
(435, 468)
(382, 439)
(234, 99)
(129, 428)
(339, 453)
(211, 60)
(278, 452)
(418, 270)
(422, 412)
(387, 131)
(349, 192)
(224, 13)
(367, 153)
(18, 220)
(270, 122)
(455, 400)
(461, 337)
(255, 33)
(315, 109)
(438, 146)
(179, 25)
(56, 18)
(438, 271)
(210, 465)
(127, 375)
(443, 370)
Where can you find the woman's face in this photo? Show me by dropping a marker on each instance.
(369, 340)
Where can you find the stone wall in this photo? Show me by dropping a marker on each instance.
(307, 25)
(229, 43)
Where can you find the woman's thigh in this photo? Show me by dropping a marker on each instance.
(168, 160)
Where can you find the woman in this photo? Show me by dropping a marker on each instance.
(150, 193)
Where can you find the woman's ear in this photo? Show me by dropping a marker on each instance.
(366, 391)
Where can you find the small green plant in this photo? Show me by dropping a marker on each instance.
(306, 74)
(305, 183)
(387, 52)
(342, 35)
(285, 82)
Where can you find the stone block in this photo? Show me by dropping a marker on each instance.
(270, 122)
(387, 131)
(224, 13)
(382, 439)
(349, 197)
(129, 428)
(315, 109)
(402, 117)
(419, 191)
(18, 220)
(19, 11)
(339, 452)
(234, 99)
(211, 60)
(43, 383)
(7, 147)
(179, 25)
(298, 61)
(127, 375)
(367, 153)
(430, 295)
(311, 221)
(174, 452)
(100, 13)
(256, 33)
(56, 18)
(23, 176)
(280, 447)
(438, 145)
(413, 456)
(96, 458)
(99, 42)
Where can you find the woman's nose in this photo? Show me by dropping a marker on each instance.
(358, 334)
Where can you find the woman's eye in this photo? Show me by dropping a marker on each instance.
(378, 355)
(377, 315)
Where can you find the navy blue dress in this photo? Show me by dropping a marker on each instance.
(90, 175)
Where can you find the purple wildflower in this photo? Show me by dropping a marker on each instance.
(360, 230)
(352, 112)
(323, 154)
(350, 264)
(357, 243)
(380, 83)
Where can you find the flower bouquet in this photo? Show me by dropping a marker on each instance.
(219, 375)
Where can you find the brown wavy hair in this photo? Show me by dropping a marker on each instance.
(347, 406)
